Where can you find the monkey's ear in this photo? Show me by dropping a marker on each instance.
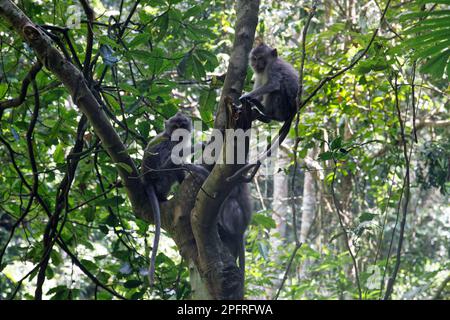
(274, 52)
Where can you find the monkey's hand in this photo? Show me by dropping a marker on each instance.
(249, 98)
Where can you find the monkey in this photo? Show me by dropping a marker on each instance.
(159, 173)
(157, 157)
(6, 222)
(234, 217)
(276, 86)
(158, 183)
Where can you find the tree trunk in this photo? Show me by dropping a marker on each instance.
(308, 204)
(280, 210)
(280, 203)
(309, 195)
(198, 286)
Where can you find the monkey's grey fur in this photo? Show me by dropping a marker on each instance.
(276, 86)
(157, 157)
(234, 217)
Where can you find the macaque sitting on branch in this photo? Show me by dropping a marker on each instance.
(276, 86)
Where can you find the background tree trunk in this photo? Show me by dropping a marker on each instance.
(280, 213)
(308, 205)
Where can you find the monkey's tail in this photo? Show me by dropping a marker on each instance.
(150, 190)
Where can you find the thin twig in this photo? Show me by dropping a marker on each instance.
(405, 202)
(344, 231)
(288, 268)
(299, 99)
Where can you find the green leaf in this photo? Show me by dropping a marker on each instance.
(421, 28)
(307, 251)
(436, 65)
(108, 41)
(437, 35)
(328, 155)
(89, 213)
(163, 23)
(58, 156)
(264, 221)
(195, 10)
(366, 216)
(144, 128)
(443, 21)
(329, 178)
(198, 68)
(412, 15)
(336, 143)
(207, 104)
(182, 66)
(125, 167)
(137, 295)
(91, 266)
(57, 289)
(141, 55)
(49, 273)
(103, 276)
(103, 228)
(448, 69)
(432, 50)
(434, 1)
(208, 59)
(139, 39)
(156, 3)
(113, 202)
(56, 258)
(112, 220)
(3, 90)
(130, 284)
(263, 250)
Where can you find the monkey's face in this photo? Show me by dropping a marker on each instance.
(178, 121)
(261, 57)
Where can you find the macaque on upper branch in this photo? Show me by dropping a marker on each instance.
(276, 86)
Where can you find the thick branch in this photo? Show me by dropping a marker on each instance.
(246, 21)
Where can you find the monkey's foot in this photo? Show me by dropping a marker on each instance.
(259, 115)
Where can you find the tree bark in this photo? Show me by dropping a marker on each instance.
(280, 193)
(246, 21)
(309, 195)
(280, 206)
(308, 204)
